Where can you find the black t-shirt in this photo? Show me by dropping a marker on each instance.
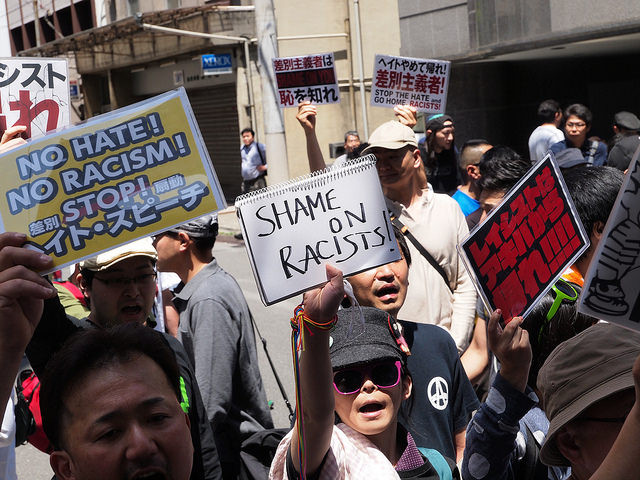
(443, 397)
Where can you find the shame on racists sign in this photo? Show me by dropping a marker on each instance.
(526, 242)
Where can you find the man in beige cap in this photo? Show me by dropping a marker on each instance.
(587, 390)
(440, 289)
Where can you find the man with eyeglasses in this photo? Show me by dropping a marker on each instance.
(120, 288)
(577, 126)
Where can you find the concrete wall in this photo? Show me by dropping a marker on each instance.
(380, 34)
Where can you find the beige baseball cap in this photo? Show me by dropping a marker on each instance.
(392, 135)
(138, 248)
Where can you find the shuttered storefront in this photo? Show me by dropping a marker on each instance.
(216, 112)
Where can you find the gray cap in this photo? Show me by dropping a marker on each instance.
(350, 344)
(203, 227)
(570, 157)
(627, 120)
(391, 135)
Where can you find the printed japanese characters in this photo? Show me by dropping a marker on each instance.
(306, 78)
(120, 176)
(416, 82)
(612, 285)
(291, 230)
(34, 92)
(526, 242)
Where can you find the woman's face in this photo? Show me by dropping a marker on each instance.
(372, 410)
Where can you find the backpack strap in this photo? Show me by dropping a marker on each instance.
(592, 152)
(530, 467)
(438, 462)
(405, 231)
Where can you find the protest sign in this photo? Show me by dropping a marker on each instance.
(612, 285)
(417, 82)
(312, 77)
(118, 177)
(34, 92)
(525, 243)
(292, 229)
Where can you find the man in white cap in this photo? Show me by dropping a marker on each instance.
(440, 289)
(120, 287)
(216, 331)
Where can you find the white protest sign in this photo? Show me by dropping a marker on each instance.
(34, 92)
(612, 285)
(420, 83)
(312, 77)
(336, 216)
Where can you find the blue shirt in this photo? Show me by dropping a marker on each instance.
(251, 159)
(467, 204)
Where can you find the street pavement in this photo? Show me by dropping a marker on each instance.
(272, 321)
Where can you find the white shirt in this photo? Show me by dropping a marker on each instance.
(541, 139)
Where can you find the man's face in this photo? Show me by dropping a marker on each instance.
(597, 428)
(123, 422)
(488, 201)
(396, 166)
(247, 138)
(383, 287)
(576, 130)
(168, 247)
(444, 136)
(122, 293)
(353, 142)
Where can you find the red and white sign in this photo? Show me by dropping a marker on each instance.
(34, 92)
(417, 82)
(526, 242)
(312, 78)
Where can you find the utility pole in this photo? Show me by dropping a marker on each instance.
(273, 119)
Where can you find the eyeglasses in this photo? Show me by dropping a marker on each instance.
(350, 380)
(576, 124)
(140, 280)
(564, 293)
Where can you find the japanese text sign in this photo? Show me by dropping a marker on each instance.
(118, 177)
(612, 285)
(34, 92)
(416, 82)
(292, 230)
(312, 78)
(526, 242)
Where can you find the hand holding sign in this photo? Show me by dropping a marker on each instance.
(512, 348)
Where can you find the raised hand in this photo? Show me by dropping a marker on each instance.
(512, 348)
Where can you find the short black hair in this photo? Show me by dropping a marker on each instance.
(474, 142)
(545, 335)
(547, 110)
(594, 191)
(501, 168)
(580, 111)
(90, 350)
(245, 130)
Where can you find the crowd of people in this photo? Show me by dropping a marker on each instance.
(430, 386)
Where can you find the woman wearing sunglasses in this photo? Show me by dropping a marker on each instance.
(355, 374)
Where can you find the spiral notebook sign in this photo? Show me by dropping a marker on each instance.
(292, 230)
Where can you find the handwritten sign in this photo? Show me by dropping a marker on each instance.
(291, 230)
(525, 244)
(312, 77)
(34, 92)
(410, 81)
(118, 177)
(612, 285)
